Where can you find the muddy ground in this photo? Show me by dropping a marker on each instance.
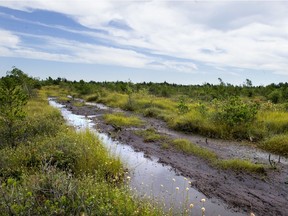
(262, 194)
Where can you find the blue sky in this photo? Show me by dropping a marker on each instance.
(187, 42)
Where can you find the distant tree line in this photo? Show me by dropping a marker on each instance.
(276, 93)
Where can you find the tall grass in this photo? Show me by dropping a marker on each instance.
(57, 171)
(201, 116)
(275, 122)
(277, 144)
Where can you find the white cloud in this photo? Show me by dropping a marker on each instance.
(249, 35)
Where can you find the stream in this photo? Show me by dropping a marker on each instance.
(149, 178)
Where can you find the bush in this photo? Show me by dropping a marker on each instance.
(234, 112)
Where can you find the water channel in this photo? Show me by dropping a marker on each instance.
(149, 178)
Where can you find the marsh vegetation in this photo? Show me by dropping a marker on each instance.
(49, 168)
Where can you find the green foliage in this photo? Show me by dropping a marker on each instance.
(12, 101)
(275, 96)
(235, 112)
(120, 120)
(61, 172)
(182, 106)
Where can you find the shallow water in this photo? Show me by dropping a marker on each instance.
(149, 178)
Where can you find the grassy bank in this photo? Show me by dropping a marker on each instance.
(55, 171)
(234, 119)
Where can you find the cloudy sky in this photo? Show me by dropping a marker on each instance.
(188, 42)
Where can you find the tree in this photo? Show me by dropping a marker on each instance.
(12, 100)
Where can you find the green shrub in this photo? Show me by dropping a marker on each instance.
(235, 112)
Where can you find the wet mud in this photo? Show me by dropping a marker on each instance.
(244, 192)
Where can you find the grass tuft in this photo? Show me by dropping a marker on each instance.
(277, 145)
(120, 120)
(241, 165)
(188, 147)
(150, 135)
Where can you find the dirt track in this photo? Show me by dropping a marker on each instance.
(264, 195)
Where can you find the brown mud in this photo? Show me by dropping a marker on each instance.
(261, 194)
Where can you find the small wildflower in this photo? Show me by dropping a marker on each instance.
(128, 178)
(252, 214)
(203, 200)
(185, 178)
(203, 209)
(177, 188)
(173, 179)
(191, 205)
(187, 189)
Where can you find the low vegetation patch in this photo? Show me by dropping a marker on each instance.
(121, 120)
(49, 169)
(150, 135)
(188, 147)
(277, 145)
(241, 165)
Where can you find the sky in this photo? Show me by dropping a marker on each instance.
(183, 42)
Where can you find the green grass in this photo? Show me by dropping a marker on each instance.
(121, 120)
(240, 165)
(277, 144)
(150, 135)
(200, 118)
(188, 147)
(275, 122)
(57, 171)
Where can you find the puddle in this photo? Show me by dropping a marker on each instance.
(149, 178)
